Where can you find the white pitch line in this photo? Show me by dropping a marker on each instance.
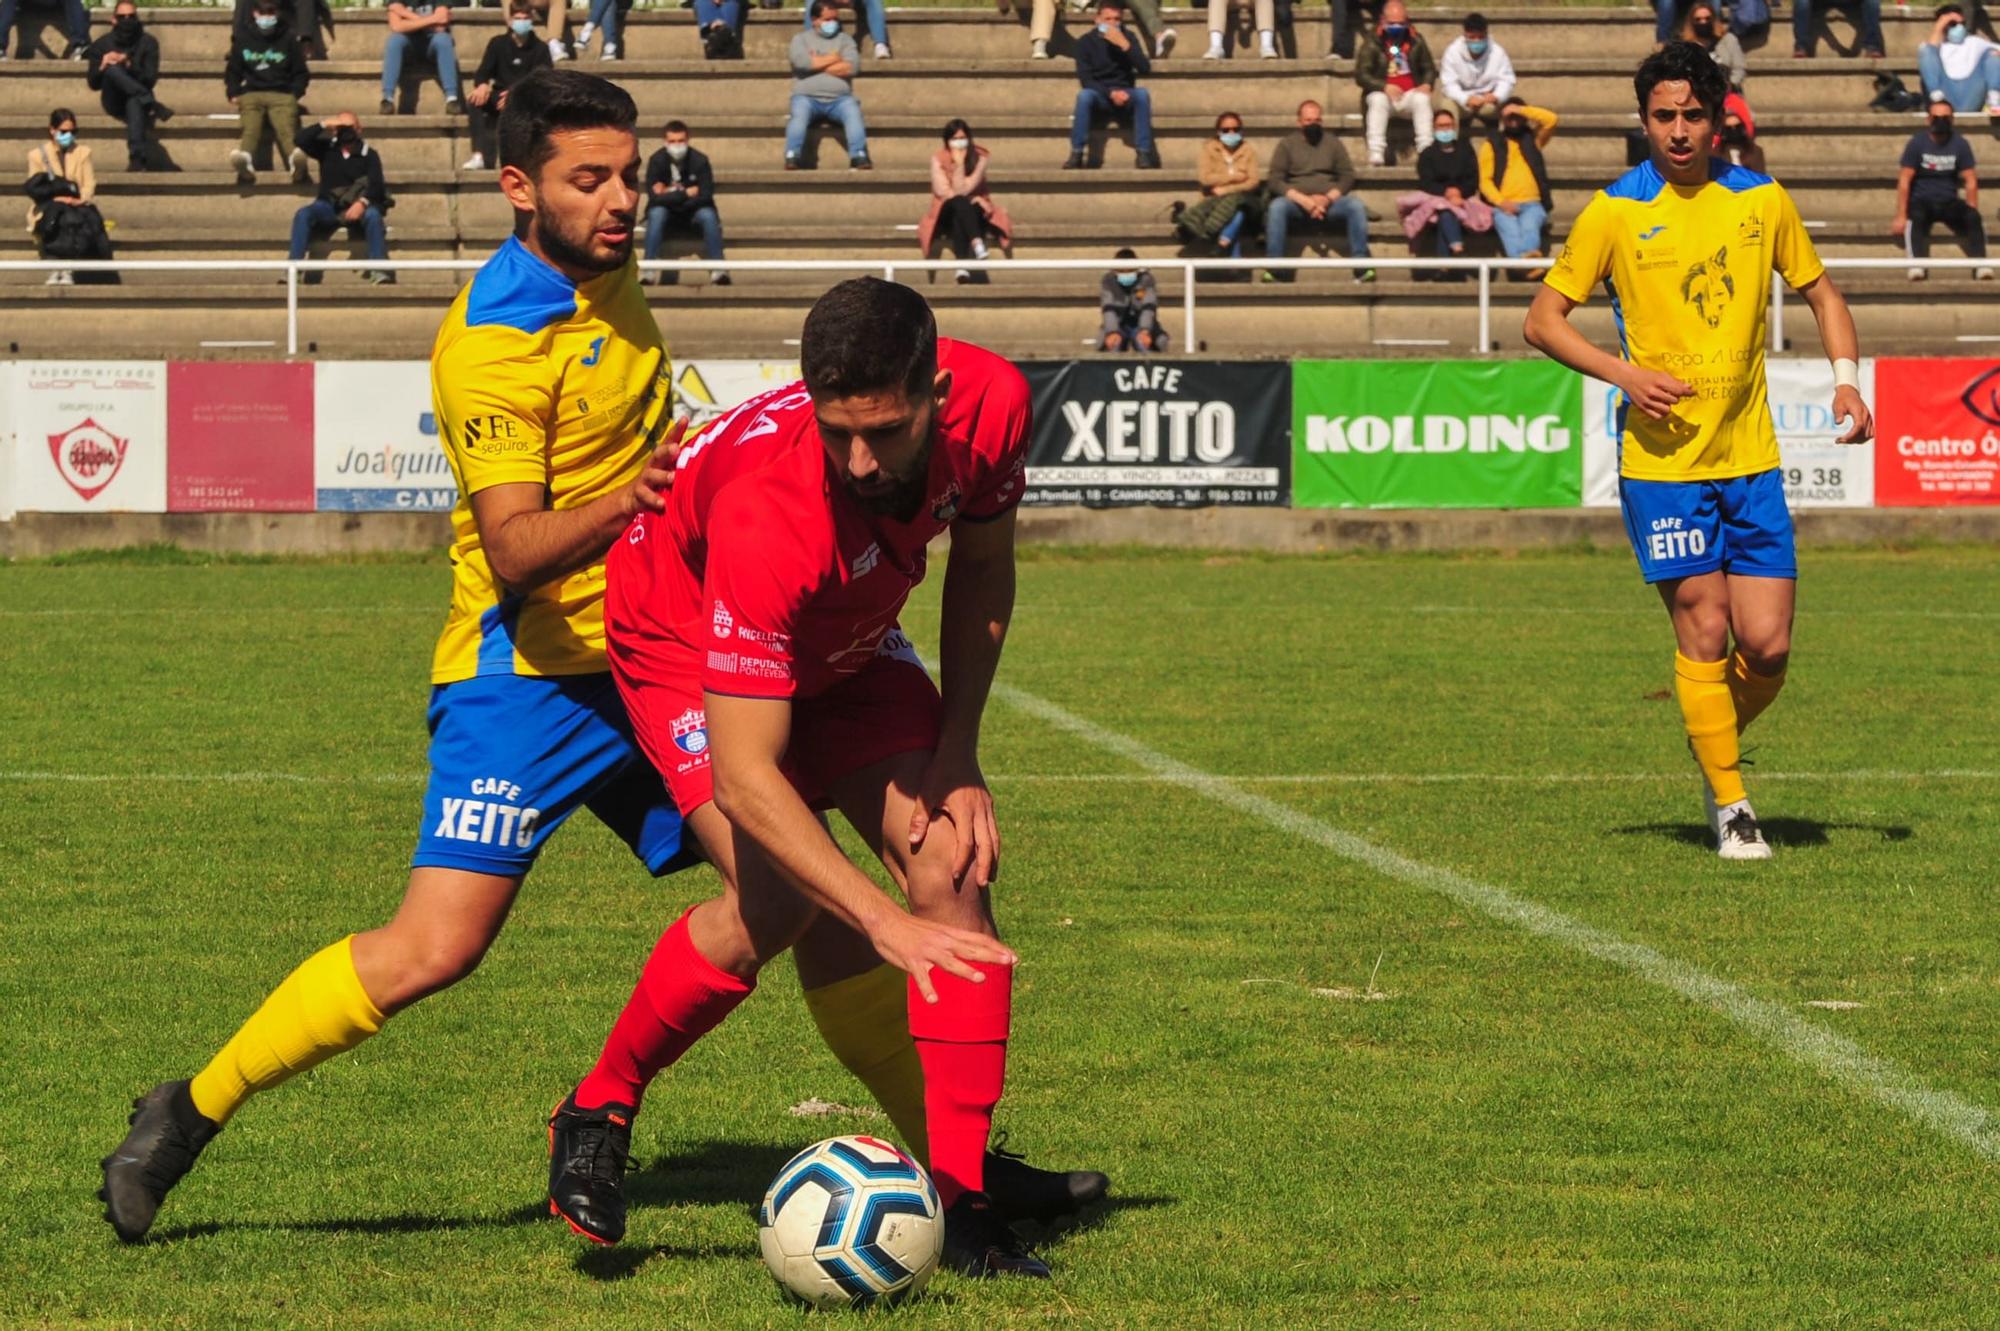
(212, 611)
(1831, 1055)
(1652, 610)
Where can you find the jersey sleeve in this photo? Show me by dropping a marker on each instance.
(1792, 251)
(760, 574)
(1000, 444)
(1586, 253)
(494, 401)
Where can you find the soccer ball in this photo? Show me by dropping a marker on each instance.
(851, 1221)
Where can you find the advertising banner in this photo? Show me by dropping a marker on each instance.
(1436, 434)
(239, 438)
(375, 441)
(707, 388)
(1937, 432)
(1173, 434)
(88, 436)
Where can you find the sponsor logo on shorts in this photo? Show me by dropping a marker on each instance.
(690, 731)
(724, 623)
(1671, 540)
(496, 820)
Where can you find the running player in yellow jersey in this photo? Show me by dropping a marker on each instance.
(1685, 247)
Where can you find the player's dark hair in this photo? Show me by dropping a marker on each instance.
(1475, 23)
(550, 101)
(869, 336)
(1683, 62)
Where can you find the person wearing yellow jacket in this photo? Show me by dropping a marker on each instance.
(1515, 180)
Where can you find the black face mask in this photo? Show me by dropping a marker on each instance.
(1941, 130)
(1704, 30)
(347, 138)
(1313, 133)
(126, 27)
(1735, 134)
(1514, 129)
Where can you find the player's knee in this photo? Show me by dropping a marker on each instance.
(767, 924)
(422, 964)
(934, 895)
(1769, 656)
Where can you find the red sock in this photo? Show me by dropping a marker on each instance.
(962, 1043)
(679, 998)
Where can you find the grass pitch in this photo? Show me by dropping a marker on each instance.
(1329, 1095)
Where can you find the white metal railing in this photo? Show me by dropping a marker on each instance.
(292, 269)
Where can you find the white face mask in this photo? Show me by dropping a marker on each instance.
(960, 145)
(677, 151)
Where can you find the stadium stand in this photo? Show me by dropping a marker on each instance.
(1822, 140)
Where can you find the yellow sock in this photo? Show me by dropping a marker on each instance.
(1751, 691)
(1710, 714)
(865, 1021)
(320, 1010)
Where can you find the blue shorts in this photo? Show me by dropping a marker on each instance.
(512, 756)
(1683, 528)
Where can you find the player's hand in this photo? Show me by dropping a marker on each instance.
(1900, 225)
(920, 946)
(953, 789)
(648, 491)
(1849, 406)
(1654, 392)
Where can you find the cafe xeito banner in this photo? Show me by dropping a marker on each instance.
(1436, 434)
(1176, 434)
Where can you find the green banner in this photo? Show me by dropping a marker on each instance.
(1436, 434)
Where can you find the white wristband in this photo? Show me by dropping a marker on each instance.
(1846, 374)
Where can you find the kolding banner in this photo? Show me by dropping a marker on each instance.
(88, 436)
(1173, 434)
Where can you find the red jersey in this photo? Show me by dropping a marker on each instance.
(764, 574)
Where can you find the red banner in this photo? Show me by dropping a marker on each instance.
(1937, 432)
(239, 438)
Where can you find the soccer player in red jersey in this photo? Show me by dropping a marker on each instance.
(752, 628)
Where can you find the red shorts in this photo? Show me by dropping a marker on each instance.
(888, 707)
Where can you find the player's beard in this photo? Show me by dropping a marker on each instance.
(902, 503)
(580, 252)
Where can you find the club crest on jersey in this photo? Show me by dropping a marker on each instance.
(724, 624)
(690, 732)
(945, 507)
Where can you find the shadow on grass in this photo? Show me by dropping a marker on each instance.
(710, 1173)
(1793, 832)
(531, 1214)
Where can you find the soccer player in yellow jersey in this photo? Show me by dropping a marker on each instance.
(1685, 247)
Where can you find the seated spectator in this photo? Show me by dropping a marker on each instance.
(265, 75)
(824, 61)
(1476, 73)
(1129, 300)
(1706, 29)
(721, 25)
(1312, 183)
(878, 24)
(1871, 26)
(76, 27)
(1446, 199)
(1736, 139)
(607, 20)
(352, 192)
(1961, 65)
(962, 206)
(1232, 190)
(1267, 28)
(1396, 74)
(1109, 63)
(1146, 18)
(423, 31)
(680, 196)
(1515, 180)
(1936, 163)
(124, 66)
(60, 178)
(510, 57)
(307, 19)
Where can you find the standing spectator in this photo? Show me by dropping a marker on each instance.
(124, 66)
(352, 192)
(607, 19)
(1936, 163)
(1396, 74)
(680, 196)
(1515, 180)
(1129, 300)
(76, 27)
(721, 26)
(265, 76)
(1476, 73)
(1312, 182)
(510, 57)
(1736, 140)
(1446, 198)
(1802, 26)
(824, 61)
(422, 30)
(1962, 66)
(962, 206)
(1109, 63)
(59, 176)
(1706, 29)
(1345, 14)
(1231, 189)
(878, 24)
(1267, 28)
(306, 18)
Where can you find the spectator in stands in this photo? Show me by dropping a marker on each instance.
(1871, 26)
(1515, 180)
(1476, 73)
(555, 31)
(878, 24)
(1146, 18)
(265, 75)
(824, 62)
(1706, 29)
(1345, 12)
(1396, 73)
(124, 66)
(1312, 182)
(1446, 199)
(1231, 189)
(421, 30)
(1736, 138)
(510, 57)
(1109, 64)
(352, 192)
(1267, 28)
(962, 206)
(680, 196)
(721, 25)
(76, 27)
(307, 19)
(62, 162)
(1129, 300)
(1961, 65)
(605, 20)
(1937, 162)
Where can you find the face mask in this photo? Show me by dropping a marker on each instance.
(1475, 48)
(129, 24)
(347, 139)
(1515, 130)
(1735, 134)
(1940, 130)
(1106, 27)
(960, 145)
(1313, 133)
(65, 138)
(830, 28)
(522, 26)
(266, 22)
(1447, 136)
(1128, 280)
(676, 151)
(1704, 30)
(1230, 138)
(1396, 32)
(1955, 33)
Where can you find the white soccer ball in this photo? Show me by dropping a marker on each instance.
(849, 1222)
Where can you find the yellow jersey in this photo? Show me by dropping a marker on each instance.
(1688, 269)
(538, 379)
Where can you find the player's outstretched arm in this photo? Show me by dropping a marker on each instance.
(1843, 348)
(527, 543)
(1549, 331)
